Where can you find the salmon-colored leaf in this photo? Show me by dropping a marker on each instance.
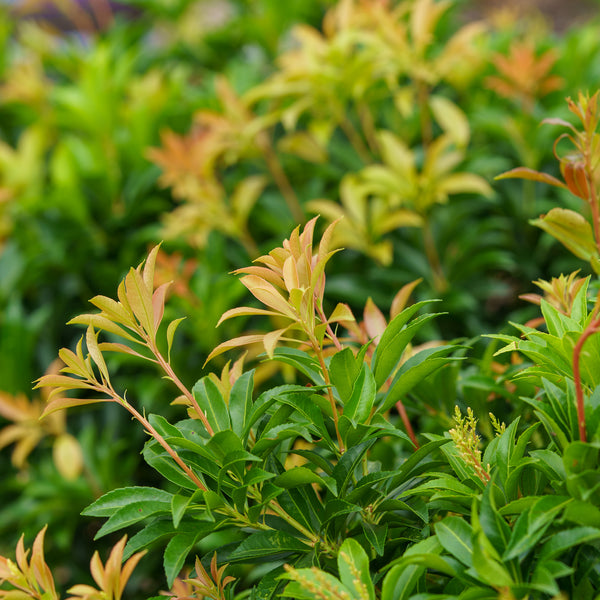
(526, 173)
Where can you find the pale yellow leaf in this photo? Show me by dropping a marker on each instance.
(237, 342)
(99, 321)
(148, 272)
(67, 456)
(451, 119)
(140, 300)
(268, 295)
(245, 311)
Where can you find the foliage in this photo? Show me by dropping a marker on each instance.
(338, 456)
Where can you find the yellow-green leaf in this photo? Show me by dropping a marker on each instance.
(140, 300)
(571, 230)
(451, 119)
(91, 340)
(243, 340)
(173, 325)
(101, 322)
(148, 273)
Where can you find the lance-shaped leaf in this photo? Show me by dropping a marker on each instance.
(140, 300)
(526, 173)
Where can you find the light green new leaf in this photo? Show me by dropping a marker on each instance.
(353, 565)
(570, 229)
(451, 119)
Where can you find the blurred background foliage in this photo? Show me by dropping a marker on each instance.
(217, 126)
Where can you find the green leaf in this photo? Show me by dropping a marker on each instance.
(394, 340)
(296, 477)
(532, 524)
(268, 397)
(112, 501)
(325, 586)
(156, 457)
(268, 586)
(268, 543)
(376, 536)
(414, 370)
(361, 401)
(212, 404)
(493, 524)
(301, 361)
(487, 563)
(400, 581)
(240, 402)
(179, 505)
(344, 470)
(132, 513)
(154, 531)
(343, 371)
(173, 325)
(176, 553)
(455, 535)
(563, 540)
(353, 566)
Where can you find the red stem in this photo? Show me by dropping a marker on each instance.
(588, 331)
(407, 425)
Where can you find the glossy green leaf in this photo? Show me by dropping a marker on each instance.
(400, 582)
(268, 543)
(343, 371)
(112, 501)
(132, 513)
(240, 402)
(563, 540)
(359, 405)
(176, 553)
(454, 534)
(344, 470)
(394, 340)
(328, 586)
(212, 403)
(414, 370)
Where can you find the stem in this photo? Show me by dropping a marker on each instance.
(368, 126)
(426, 125)
(332, 336)
(356, 140)
(278, 510)
(281, 180)
(404, 416)
(439, 279)
(592, 328)
(319, 353)
(164, 444)
(173, 377)
(107, 389)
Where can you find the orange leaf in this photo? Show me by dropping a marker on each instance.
(526, 173)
